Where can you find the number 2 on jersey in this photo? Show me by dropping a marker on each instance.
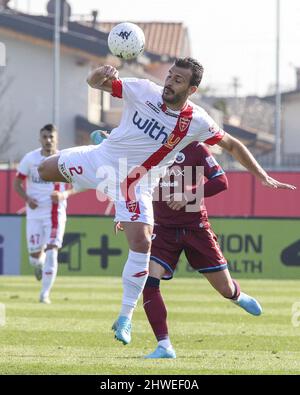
(77, 170)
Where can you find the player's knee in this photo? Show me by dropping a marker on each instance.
(141, 244)
(51, 247)
(35, 260)
(36, 255)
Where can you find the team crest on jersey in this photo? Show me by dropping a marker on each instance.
(180, 158)
(184, 123)
(133, 207)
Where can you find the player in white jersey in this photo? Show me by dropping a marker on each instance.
(45, 211)
(157, 123)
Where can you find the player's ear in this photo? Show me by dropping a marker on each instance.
(192, 89)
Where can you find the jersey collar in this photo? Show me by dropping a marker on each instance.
(164, 108)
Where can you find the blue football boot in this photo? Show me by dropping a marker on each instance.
(96, 137)
(122, 329)
(249, 304)
(161, 352)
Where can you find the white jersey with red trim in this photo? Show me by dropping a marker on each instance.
(147, 124)
(38, 189)
(130, 162)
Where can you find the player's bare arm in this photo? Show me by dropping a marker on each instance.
(18, 186)
(57, 196)
(102, 77)
(118, 227)
(241, 153)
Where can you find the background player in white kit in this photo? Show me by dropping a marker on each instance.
(157, 122)
(45, 211)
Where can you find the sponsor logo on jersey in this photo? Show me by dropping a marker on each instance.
(64, 172)
(151, 127)
(175, 171)
(215, 129)
(153, 107)
(35, 177)
(38, 180)
(166, 184)
(180, 158)
(172, 141)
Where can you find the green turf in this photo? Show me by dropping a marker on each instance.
(210, 334)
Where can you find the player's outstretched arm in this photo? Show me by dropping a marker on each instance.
(215, 185)
(102, 77)
(241, 153)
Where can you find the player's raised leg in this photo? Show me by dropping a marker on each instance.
(230, 289)
(204, 254)
(156, 312)
(134, 275)
(48, 170)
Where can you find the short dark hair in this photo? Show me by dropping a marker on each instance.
(196, 68)
(49, 127)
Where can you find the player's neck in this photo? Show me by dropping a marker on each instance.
(175, 107)
(47, 153)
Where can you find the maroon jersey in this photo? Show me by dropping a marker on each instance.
(193, 156)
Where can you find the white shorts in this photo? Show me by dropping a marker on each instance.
(40, 232)
(90, 167)
(138, 211)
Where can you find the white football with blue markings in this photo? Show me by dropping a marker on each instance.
(126, 40)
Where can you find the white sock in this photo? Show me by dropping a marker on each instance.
(134, 276)
(126, 311)
(236, 301)
(49, 271)
(166, 343)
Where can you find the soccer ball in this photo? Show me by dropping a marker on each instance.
(126, 40)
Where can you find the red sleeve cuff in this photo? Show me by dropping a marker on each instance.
(217, 137)
(21, 176)
(117, 88)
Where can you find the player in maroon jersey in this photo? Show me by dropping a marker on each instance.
(178, 230)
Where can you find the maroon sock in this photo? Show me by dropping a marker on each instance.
(237, 290)
(155, 309)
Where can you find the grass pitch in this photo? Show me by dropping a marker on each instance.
(210, 334)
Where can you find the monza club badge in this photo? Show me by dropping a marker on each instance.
(184, 124)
